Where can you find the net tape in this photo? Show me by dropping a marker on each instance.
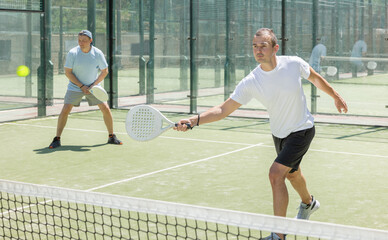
(34, 210)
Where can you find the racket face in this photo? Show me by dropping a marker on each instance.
(144, 123)
(371, 65)
(100, 93)
(331, 71)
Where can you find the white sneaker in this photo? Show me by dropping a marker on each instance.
(305, 210)
(273, 236)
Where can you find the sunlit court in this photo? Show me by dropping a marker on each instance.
(91, 91)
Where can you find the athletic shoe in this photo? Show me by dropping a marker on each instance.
(55, 143)
(113, 140)
(273, 236)
(305, 210)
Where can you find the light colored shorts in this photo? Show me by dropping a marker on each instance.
(75, 98)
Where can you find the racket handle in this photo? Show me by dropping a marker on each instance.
(187, 124)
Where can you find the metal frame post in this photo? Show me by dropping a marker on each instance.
(142, 61)
(60, 53)
(315, 18)
(194, 5)
(151, 60)
(92, 18)
(284, 20)
(28, 57)
(42, 69)
(184, 60)
(111, 84)
(227, 77)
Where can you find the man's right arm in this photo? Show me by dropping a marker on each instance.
(212, 115)
(69, 74)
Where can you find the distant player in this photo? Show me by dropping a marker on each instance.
(319, 51)
(358, 51)
(276, 83)
(81, 68)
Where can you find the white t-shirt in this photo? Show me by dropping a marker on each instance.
(281, 92)
(85, 66)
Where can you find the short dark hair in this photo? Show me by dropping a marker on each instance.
(267, 31)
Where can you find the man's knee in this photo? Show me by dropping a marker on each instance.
(277, 173)
(104, 108)
(66, 109)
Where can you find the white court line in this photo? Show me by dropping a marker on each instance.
(174, 167)
(41, 126)
(349, 153)
(209, 141)
(203, 140)
(144, 175)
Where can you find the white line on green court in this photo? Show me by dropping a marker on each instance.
(271, 146)
(204, 140)
(174, 167)
(208, 141)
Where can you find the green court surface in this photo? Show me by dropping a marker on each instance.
(222, 165)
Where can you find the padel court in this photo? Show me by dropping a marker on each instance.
(221, 165)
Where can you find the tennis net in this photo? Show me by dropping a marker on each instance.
(29, 211)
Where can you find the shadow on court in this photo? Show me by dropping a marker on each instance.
(72, 148)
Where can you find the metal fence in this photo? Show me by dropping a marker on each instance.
(192, 53)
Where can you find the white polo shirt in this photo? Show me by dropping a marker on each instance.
(281, 92)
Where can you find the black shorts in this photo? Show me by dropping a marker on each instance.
(292, 148)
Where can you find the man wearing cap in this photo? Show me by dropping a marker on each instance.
(82, 69)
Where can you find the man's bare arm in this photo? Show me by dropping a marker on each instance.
(213, 114)
(323, 85)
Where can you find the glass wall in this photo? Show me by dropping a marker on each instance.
(19, 45)
(188, 54)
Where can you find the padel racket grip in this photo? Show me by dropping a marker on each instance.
(187, 124)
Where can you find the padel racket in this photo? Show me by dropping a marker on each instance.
(144, 123)
(100, 93)
(331, 71)
(371, 65)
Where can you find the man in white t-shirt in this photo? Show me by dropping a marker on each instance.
(82, 67)
(276, 83)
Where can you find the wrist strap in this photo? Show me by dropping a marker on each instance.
(198, 119)
(82, 86)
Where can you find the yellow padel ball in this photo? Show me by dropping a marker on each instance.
(22, 71)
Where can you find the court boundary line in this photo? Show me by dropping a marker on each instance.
(171, 168)
(204, 140)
